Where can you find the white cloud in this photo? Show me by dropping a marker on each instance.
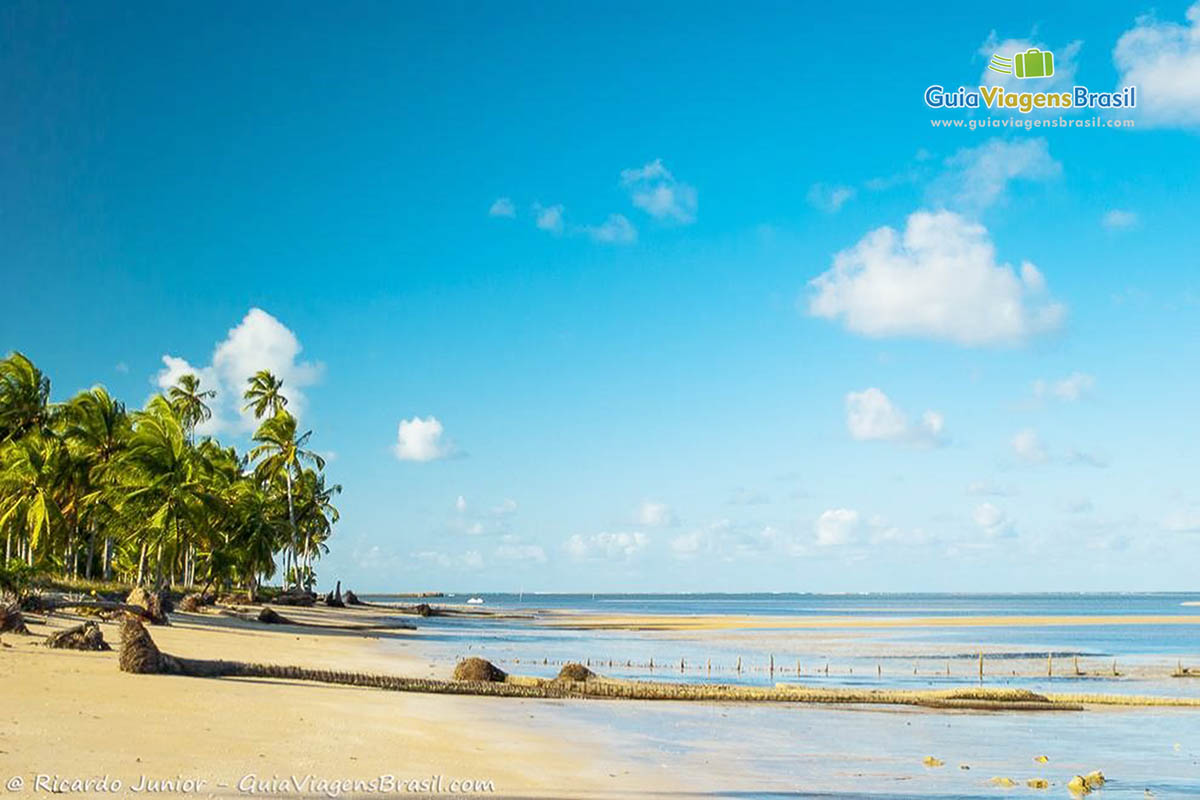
(549, 218)
(469, 560)
(657, 192)
(829, 199)
(460, 505)
(838, 526)
(1163, 60)
(993, 522)
(1065, 64)
(615, 230)
(871, 416)
(259, 341)
(1069, 389)
(726, 541)
(655, 515)
(503, 207)
(610, 546)
(1029, 447)
(421, 440)
(688, 545)
(516, 552)
(1118, 220)
(978, 177)
(939, 280)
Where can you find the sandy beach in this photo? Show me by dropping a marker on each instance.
(74, 715)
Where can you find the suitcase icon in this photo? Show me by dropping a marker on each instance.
(1033, 63)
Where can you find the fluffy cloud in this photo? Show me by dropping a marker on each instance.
(1163, 60)
(1029, 447)
(615, 230)
(993, 522)
(829, 199)
(939, 280)
(871, 416)
(978, 177)
(421, 440)
(655, 515)
(259, 341)
(1065, 63)
(1069, 389)
(503, 207)
(656, 191)
(838, 526)
(549, 218)
(1118, 220)
(610, 546)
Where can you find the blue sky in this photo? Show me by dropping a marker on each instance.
(639, 296)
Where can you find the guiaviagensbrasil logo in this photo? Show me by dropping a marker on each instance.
(1033, 63)
(1030, 64)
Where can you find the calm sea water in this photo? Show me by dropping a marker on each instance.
(751, 751)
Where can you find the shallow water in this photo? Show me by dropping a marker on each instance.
(900, 657)
(749, 751)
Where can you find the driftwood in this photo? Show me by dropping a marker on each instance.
(82, 637)
(351, 599)
(334, 598)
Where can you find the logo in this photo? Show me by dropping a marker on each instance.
(1033, 63)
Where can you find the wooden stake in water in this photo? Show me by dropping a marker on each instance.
(772, 665)
(708, 666)
(681, 665)
(1077, 672)
(1049, 665)
(739, 666)
(980, 666)
(879, 670)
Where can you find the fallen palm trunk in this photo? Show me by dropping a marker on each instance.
(140, 655)
(103, 605)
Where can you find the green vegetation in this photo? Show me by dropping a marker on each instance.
(90, 491)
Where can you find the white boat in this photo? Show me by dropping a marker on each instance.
(475, 601)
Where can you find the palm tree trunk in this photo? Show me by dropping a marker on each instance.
(91, 551)
(292, 518)
(108, 558)
(7, 546)
(142, 564)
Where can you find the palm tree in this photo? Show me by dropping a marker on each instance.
(96, 429)
(188, 402)
(162, 484)
(263, 394)
(24, 397)
(30, 496)
(282, 455)
(315, 514)
(257, 534)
